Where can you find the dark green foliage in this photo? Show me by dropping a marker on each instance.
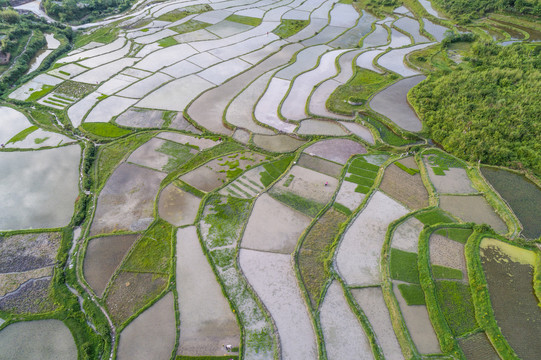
(404, 266)
(84, 11)
(487, 109)
(466, 10)
(457, 306)
(412, 293)
(443, 272)
(434, 216)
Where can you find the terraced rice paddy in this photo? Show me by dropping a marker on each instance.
(182, 182)
(509, 271)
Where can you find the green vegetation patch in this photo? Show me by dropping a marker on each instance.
(342, 208)
(387, 135)
(246, 20)
(104, 35)
(152, 253)
(178, 154)
(111, 154)
(361, 163)
(443, 272)
(434, 216)
(168, 41)
(457, 306)
(290, 27)
(404, 266)
(363, 172)
(226, 218)
(456, 234)
(189, 26)
(412, 293)
(306, 206)
(74, 89)
(467, 10)
(22, 135)
(360, 87)
(275, 169)
(484, 111)
(36, 95)
(359, 180)
(179, 14)
(315, 254)
(106, 130)
(406, 169)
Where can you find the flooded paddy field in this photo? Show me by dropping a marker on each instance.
(509, 271)
(522, 195)
(177, 181)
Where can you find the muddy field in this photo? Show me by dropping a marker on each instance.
(406, 188)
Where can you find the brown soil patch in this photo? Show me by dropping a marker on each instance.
(406, 188)
(320, 165)
(131, 291)
(315, 249)
(103, 256)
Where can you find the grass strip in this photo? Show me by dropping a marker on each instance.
(246, 20)
(404, 266)
(22, 135)
(106, 130)
(406, 169)
(412, 293)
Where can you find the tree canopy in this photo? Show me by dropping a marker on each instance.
(488, 109)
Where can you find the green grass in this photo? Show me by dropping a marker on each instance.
(342, 208)
(42, 118)
(442, 160)
(289, 27)
(168, 41)
(106, 130)
(22, 135)
(434, 216)
(456, 234)
(189, 26)
(36, 95)
(457, 306)
(316, 253)
(361, 163)
(152, 253)
(74, 89)
(246, 20)
(363, 172)
(404, 266)
(359, 180)
(64, 72)
(443, 272)
(40, 140)
(274, 169)
(179, 14)
(361, 86)
(188, 188)
(104, 35)
(406, 169)
(386, 134)
(226, 219)
(362, 189)
(412, 293)
(306, 206)
(111, 154)
(178, 153)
